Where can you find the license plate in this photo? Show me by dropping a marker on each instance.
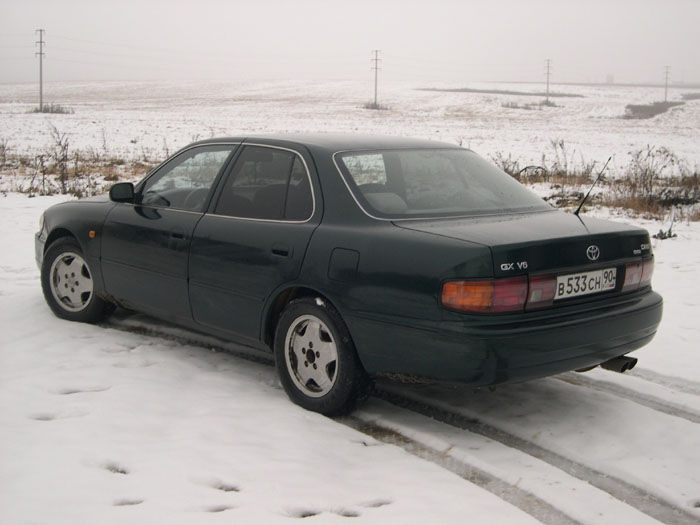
(585, 283)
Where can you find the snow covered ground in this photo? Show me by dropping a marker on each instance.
(138, 422)
(137, 119)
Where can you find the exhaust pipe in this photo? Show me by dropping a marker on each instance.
(620, 364)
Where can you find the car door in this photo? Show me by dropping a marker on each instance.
(145, 244)
(254, 240)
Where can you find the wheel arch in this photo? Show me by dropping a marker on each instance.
(282, 299)
(58, 233)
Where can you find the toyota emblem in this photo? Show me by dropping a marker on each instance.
(593, 252)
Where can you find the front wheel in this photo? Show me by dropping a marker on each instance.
(68, 286)
(316, 359)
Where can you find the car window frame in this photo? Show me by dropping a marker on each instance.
(229, 171)
(236, 146)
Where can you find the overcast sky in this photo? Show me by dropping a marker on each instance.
(422, 40)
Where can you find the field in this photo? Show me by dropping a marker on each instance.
(136, 120)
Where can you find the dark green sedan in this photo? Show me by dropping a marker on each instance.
(357, 257)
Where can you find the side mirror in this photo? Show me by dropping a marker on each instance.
(122, 192)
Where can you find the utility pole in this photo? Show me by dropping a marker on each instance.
(548, 63)
(41, 68)
(376, 60)
(668, 69)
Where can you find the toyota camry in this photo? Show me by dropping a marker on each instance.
(357, 257)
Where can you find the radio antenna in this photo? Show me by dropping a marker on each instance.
(592, 186)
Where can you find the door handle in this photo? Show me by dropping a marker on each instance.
(281, 250)
(176, 241)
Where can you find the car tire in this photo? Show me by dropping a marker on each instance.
(316, 359)
(68, 285)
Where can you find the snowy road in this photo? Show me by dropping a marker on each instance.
(137, 421)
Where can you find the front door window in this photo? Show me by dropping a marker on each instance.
(184, 182)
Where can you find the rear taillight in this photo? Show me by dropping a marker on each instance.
(647, 272)
(633, 276)
(638, 275)
(487, 295)
(525, 293)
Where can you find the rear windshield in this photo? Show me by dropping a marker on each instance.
(407, 183)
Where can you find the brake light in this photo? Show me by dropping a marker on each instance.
(509, 294)
(488, 295)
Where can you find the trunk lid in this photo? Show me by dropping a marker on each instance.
(550, 241)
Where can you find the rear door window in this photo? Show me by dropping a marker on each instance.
(267, 183)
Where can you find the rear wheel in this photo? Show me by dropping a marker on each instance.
(68, 286)
(316, 359)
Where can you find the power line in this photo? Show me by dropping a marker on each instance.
(548, 62)
(425, 60)
(150, 49)
(668, 70)
(118, 66)
(120, 46)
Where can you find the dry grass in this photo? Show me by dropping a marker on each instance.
(530, 106)
(641, 207)
(375, 105)
(654, 183)
(68, 172)
(53, 108)
(562, 166)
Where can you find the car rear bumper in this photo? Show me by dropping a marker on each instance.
(508, 348)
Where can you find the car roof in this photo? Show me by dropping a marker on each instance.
(334, 142)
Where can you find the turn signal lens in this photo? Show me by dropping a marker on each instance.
(501, 295)
(470, 296)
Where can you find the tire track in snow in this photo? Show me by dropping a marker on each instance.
(152, 327)
(675, 383)
(632, 395)
(522, 499)
(646, 502)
